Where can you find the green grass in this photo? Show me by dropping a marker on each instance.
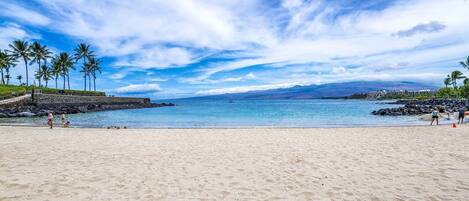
(10, 91)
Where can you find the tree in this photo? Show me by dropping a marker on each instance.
(466, 81)
(56, 69)
(19, 77)
(84, 52)
(66, 64)
(6, 61)
(94, 66)
(8, 77)
(43, 74)
(455, 76)
(46, 74)
(447, 81)
(465, 64)
(39, 53)
(20, 49)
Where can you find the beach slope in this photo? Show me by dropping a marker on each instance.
(395, 163)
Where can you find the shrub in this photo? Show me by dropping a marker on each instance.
(447, 93)
(465, 91)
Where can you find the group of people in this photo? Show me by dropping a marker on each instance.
(64, 121)
(436, 114)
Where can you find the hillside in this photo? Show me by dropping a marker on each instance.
(325, 90)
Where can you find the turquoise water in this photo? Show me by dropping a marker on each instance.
(240, 113)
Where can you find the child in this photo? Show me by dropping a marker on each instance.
(50, 120)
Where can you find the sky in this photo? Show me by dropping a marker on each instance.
(181, 48)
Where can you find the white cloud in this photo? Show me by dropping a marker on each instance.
(138, 88)
(158, 79)
(23, 14)
(158, 58)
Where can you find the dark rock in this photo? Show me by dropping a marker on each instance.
(419, 107)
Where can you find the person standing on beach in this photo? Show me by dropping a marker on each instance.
(461, 115)
(50, 120)
(62, 119)
(435, 115)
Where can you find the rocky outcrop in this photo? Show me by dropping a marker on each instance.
(419, 107)
(72, 104)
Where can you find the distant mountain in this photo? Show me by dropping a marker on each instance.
(325, 90)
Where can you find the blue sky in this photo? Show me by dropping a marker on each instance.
(179, 48)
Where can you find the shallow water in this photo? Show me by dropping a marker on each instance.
(239, 113)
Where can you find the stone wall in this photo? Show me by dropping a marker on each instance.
(48, 99)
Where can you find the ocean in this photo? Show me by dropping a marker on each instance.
(200, 113)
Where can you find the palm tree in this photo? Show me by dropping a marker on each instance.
(83, 51)
(66, 64)
(8, 77)
(43, 74)
(6, 62)
(20, 48)
(455, 76)
(39, 53)
(38, 76)
(46, 73)
(95, 67)
(466, 81)
(19, 77)
(56, 69)
(465, 64)
(447, 81)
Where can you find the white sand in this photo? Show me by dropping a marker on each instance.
(407, 163)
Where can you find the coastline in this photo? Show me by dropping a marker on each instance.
(379, 163)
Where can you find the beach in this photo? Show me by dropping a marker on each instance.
(376, 163)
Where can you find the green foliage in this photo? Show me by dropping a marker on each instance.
(464, 90)
(448, 93)
(10, 91)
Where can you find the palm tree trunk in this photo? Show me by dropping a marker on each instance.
(64, 80)
(46, 83)
(68, 81)
(38, 69)
(94, 82)
(85, 82)
(27, 76)
(3, 80)
(89, 82)
(57, 76)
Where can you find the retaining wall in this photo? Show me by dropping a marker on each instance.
(45, 99)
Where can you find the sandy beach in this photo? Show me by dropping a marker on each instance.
(394, 163)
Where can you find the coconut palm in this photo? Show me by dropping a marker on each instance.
(66, 64)
(465, 64)
(455, 76)
(38, 76)
(447, 81)
(39, 53)
(8, 77)
(20, 49)
(56, 70)
(94, 66)
(6, 62)
(86, 71)
(83, 51)
(19, 78)
(46, 74)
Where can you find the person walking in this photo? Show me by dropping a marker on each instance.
(461, 112)
(435, 115)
